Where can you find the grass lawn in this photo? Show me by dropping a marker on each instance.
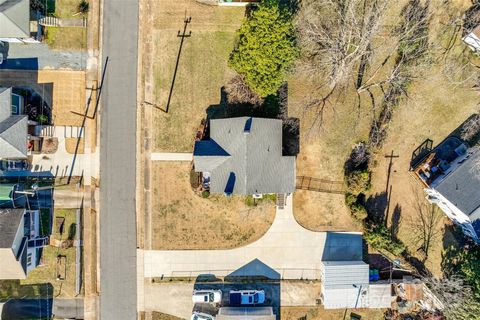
(67, 38)
(63, 8)
(45, 222)
(46, 273)
(163, 316)
(202, 69)
(318, 313)
(183, 220)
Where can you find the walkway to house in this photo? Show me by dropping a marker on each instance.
(167, 156)
(287, 248)
(61, 162)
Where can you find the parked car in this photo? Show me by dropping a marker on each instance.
(207, 296)
(14, 165)
(202, 316)
(246, 297)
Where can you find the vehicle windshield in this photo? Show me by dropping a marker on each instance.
(210, 295)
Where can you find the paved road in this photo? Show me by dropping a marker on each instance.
(118, 272)
(287, 250)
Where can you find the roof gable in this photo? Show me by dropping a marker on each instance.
(13, 137)
(14, 18)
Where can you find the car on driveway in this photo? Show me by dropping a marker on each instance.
(207, 296)
(247, 297)
(201, 316)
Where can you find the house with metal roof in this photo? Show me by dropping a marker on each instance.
(345, 279)
(244, 156)
(20, 242)
(13, 127)
(14, 18)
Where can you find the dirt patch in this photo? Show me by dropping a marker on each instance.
(72, 38)
(183, 220)
(202, 68)
(71, 145)
(318, 313)
(49, 145)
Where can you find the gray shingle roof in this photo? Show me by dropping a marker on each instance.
(9, 222)
(462, 187)
(13, 137)
(14, 18)
(246, 154)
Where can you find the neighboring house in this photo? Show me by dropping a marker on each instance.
(14, 19)
(451, 181)
(244, 156)
(15, 141)
(237, 3)
(472, 39)
(20, 242)
(345, 278)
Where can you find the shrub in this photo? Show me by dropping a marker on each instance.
(249, 201)
(356, 206)
(380, 237)
(205, 194)
(265, 48)
(42, 119)
(358, 181)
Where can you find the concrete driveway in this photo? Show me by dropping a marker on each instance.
(174, 298)
(287, 249)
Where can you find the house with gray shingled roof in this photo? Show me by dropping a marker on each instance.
(457, 192)
(14, 18)
(244, 156)
(20, 242)
(13, 129)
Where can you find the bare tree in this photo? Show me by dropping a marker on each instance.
(239, 92)
(456, 296)
(471, 128)
(335, 37)
(425, 223)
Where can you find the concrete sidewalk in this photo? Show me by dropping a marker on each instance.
(287, 248)
(166, 156)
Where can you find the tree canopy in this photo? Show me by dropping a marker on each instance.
(265, 48)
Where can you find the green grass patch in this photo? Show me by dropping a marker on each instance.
(66, 38)
(45, 222)
(69, 226)
(13, 289)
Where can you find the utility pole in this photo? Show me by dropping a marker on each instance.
(182, 35)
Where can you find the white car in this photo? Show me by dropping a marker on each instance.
(207, 296)
(202, 316)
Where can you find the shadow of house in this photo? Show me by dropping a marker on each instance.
(341, 246)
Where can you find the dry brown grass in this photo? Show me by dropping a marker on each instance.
(202, 69)
(318, 313)
(183, 220)
(71, 145)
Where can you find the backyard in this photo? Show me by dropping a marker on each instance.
(182, 219)
(74, 38)
(202, 69)
(318, 313)
(46, 272)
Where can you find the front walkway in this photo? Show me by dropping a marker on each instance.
(61, 162)
(288, 248)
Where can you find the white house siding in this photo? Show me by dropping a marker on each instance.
(455, 214)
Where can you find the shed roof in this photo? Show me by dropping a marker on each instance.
(244, 156)
(14, 18)
(344, 274)
(245, 313)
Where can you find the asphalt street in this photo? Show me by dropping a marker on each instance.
(118, 274)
